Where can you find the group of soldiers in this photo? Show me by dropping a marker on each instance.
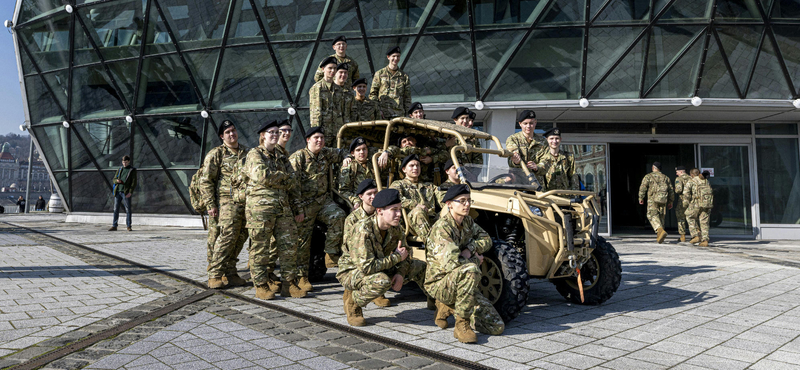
(693, 206)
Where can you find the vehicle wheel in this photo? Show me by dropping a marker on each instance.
(504, 279)
(316, 261)
(715, 219)
(601, 276)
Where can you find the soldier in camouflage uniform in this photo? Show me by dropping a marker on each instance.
(377, 258)
(272, 210)
(416, 111)
(348, 97)
(452, 179)
(391, 87)
(525, 144)
(326, 102)
(658, 189)
(363, 108)
(407, 145)
(340, 54)
(217, 187)
(698, 199)
(470, 162)
(555, 168)
(358, 170)
(313, 166)
(454, 251)
(681, 180)
(419, 198)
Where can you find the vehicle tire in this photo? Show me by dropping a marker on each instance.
(504, 279)
(316, 261)
(601, 276)
(715, 219)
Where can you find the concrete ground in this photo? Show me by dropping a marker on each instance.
(734, 305)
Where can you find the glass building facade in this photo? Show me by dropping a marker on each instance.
(131, 77)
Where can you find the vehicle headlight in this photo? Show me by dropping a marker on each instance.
(536, 211)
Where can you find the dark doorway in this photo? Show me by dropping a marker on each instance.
(628, 164)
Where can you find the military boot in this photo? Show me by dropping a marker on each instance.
(263, 292)
(274, 283)
(683, 238)
(695, 240)
(290, 289)
(304, 284)
(234, 280)
(661, 235)
(463, 332)
(331, 260)
(382, 301)
(431, 304)
(355, 317)
(443, 311)
(704, 243)
(215, 283)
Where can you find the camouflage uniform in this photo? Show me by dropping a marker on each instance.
(680, 211)
(216, 189)
(556, 172)
(441, 191)
(351, 176)
(273, 199)
(352, 68)
(453, 280)
(364, 110)
(392, 91)
(413, 194)
(368, 265)
(698, 210)
(658, 189)
(326, 106)
(352, 219)
(397, 154)
(527, 150)
(348, 97)
(313, 174)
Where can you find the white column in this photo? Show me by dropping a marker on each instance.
(501, 124)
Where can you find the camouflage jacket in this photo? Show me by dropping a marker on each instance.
(364, 110)
(680, 183)
(692, 193)
(657, 187)
(313, 172)
(351, 176)
(370, 253)
(447, 240)
(352, 219)
(396, 156)
(556, 172)
(352, 68)
(271, 185)
(283, 151)
(326, 107)
(348, 97)
(392, 91)
(441, 191)
(412, 194)
(218, 173)
(527, 149)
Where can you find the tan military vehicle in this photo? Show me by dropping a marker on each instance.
(546, 235)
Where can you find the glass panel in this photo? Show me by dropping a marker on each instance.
(166, 86)
(91, 193)
(27, 64)
(547, 67)
(343, 20)
(624, 11)
(116, 27)
(247, 124)
(297, 141)
(31, 9)
(176, 139)
(196, 23)
(95, 95)
(48, 41)
(565, 12)
(440, 69)
(590, 166)
(53, 140)
(143, 156)
(778, 181)
(212, 140)
(493, 49)
(58, 83)
(107, 141)
(449, 16)
(731, 214)
(248, 80)
(788, 40)
(740, 44)
(666, 43)
(732, 10)
(679, 81)
(244, 26)
(125, 75)
(768, 81)
(202, 65)
(502, 13)
(786, 9)
(710, 129)
(158, 40)
(400, 17)
(84, 53)
(291, 20)
(155, 194)
(776, 129)
(183, 178)
(624, 81)
(765, 4)
(62, 181)
(606, 46)
(716, 81)
(685, 10)
(41, 106)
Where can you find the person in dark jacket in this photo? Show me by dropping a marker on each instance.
(40, 204)
(124, 185)
(21, 204)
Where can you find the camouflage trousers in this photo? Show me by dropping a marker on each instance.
(655, 214)
(419, 222)
(366, 288)
(680, 213)
(230, 241)
(278, 233)
(213, 233)
(460, 288)
(698, 219)
(329, 214)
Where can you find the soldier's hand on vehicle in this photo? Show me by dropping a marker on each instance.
(383, 159)
(213, 212)
(426, 159)
(516, 158)
(402, 251)
(397, 282)
(532, 166)
(300, 217)
(641, 202)
(346, 162)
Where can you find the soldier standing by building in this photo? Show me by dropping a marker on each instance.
(391, 87)
(419, 198)
(272, 210)
(348, 96)
(658, 189)
(698, 199)
(377, 258)
(454, 250)
(312, 165)
(217, 187)
(363, 108)
(416, 111)
(326, 101)
(555, 168)
(681, 179)
(340, 53)
(525, 144)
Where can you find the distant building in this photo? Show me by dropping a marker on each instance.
(14, 172)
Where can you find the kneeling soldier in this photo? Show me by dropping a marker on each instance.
(455, 249)
(376, 258)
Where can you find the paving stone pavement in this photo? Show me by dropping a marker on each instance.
(736, 305)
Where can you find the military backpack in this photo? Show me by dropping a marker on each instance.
(661, 193)
(195, 197)
(705, 195)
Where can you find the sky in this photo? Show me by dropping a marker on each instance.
(12, 113)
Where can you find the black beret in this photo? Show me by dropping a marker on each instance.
(313, 131)
(706, 174)
(447, 164)
(455, 191)
(366, 185)
(657, 165)
(400, 139)
(525, 115)
(224, 126)
(412, 157)
(392, 50)
(359, 141)
(328, 60)
(552, 132)
(268, 125)
(385, 198)
(342, 66)
(680, 168)
(340, 38)
(414, 106)
(473, 115)
(460, 111)
(284, 123)
(359, 82)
